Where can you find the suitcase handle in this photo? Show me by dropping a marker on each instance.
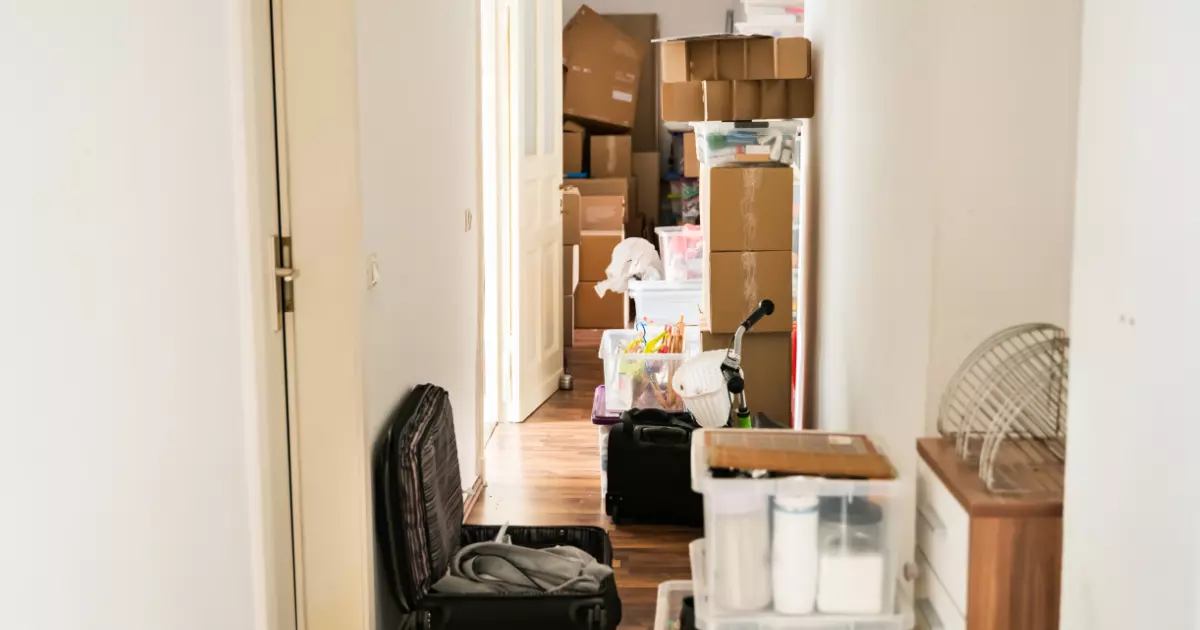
(588, 614)
(662, 436)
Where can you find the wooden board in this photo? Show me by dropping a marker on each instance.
(1014, 579)
(964, 483)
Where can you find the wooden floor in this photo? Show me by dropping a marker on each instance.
(546, 471)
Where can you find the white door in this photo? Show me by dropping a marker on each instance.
(535, 52)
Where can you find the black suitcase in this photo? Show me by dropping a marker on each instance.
(418, 522)
(650, 469)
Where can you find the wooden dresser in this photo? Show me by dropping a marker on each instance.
(986, 561)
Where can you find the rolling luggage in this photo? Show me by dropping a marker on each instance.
(418, 521)
(649, 469)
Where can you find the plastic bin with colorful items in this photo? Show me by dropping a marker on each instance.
(798, 533)
(640, 364)
(746, 143)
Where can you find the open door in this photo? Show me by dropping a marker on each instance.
(535, 90)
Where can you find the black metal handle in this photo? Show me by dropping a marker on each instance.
(663, 436)
(765, 307)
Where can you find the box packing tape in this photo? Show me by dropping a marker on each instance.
(751, 181)
(611, 141)
(750, 287)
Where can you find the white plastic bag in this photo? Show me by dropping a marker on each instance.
(632, 259)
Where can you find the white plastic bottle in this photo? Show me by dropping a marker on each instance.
(795, 554)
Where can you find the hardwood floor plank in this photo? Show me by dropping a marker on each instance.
(546, 471)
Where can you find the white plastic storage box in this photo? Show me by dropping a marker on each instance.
(797, 552)
(670, 603)
(642, 381)
(681, 248)
(664, 302)
(746, 143)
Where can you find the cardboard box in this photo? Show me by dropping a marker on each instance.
(601, 212)
(643, 27)
(773, 99)
(793, 58)
(767, 362)
(734, 284)
(760, 59)
(573, 142)
(683, 102)
(746, 209)
(603, 70)
(718, 100)
(745, 105)
(595, 312)
(802, 98)
(570, 266)
(718, 57)
(616, 186)
(612, 156)
(691, 159)
(570, 215)
(646, 172)
(595, 254)
(568, 309)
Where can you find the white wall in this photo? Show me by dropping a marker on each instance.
(943, 153)
(1132, 559)
(124, 476)
(418, 91)
(675, 17)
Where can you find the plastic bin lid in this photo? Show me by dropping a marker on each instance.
(665, 286)
(601, 417)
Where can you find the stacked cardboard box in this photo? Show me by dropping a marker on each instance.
(746, 218)
(736, 77)
(609, 136)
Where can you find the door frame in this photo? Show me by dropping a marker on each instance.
(257, 223)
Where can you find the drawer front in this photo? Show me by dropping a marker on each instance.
(935, 608)
(943, 533)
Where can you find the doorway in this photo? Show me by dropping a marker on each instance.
(521, 49)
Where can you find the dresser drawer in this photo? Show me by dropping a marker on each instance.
(943, 534)
(934, 606)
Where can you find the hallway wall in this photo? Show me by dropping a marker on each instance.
(1131, 557)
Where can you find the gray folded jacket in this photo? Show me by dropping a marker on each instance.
(490, 568)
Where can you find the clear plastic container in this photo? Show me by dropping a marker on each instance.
(670, 603)
(643, 381)
(682, 251)
(854, 556)
(604, 423)
(663, 302)
(746, 143)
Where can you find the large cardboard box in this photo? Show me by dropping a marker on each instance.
(615, 186)
(773, 97)
(746, 208)
(573, 143)
(612, 156)
(643, 27)
(570, 215)
(646, 172)
(595, 312)
(683, 102)
(568, 306)
(793, 58)
(734, 284)
(570, 269)
(767, 362)
(802, 98)
(603, 212)
(691, 159)
(595, 254)
(603, 70)
(723, 57)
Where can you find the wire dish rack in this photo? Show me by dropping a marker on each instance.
(1006, 409)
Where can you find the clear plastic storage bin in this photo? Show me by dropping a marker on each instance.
(643, 381)
(604, 423)
(798, 552)
(663, 302)
(670, 603)
(682, 251)
(746, 143)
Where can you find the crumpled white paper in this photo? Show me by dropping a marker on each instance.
(632, 259)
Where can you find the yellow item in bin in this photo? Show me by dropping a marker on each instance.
(669, 341)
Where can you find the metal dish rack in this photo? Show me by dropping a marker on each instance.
(1006, 409)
